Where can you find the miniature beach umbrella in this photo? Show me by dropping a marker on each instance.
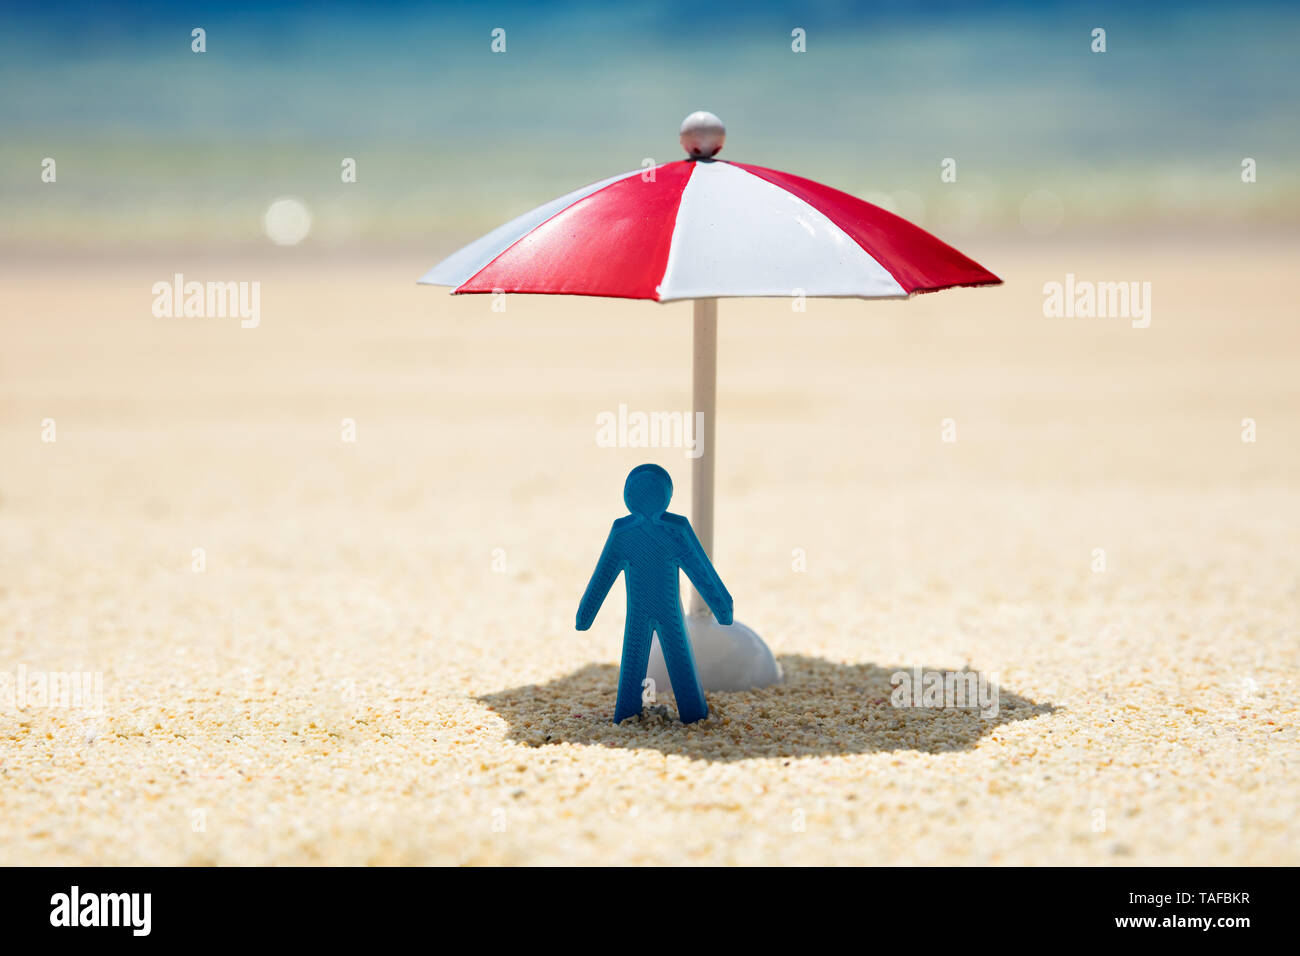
(705, 229)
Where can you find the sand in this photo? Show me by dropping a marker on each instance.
(377, 663)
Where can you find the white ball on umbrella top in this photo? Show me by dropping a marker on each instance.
(702, 134)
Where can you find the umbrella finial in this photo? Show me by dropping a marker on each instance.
(702, 135)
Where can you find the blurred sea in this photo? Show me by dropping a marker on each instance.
(156, 145)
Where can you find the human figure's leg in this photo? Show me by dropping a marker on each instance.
(632, 669)
(680, 659)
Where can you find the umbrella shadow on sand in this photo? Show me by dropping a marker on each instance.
(823, 708)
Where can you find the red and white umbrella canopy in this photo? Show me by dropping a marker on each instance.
(706, 228)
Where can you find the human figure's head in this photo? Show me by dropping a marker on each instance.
(647, 491)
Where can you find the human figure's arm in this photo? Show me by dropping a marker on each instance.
(602, 579)
(703, 575)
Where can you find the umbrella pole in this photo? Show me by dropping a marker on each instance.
(704, 388)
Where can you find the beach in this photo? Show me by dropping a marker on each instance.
(326, 567)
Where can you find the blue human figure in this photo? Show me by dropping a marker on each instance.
(648, 546)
